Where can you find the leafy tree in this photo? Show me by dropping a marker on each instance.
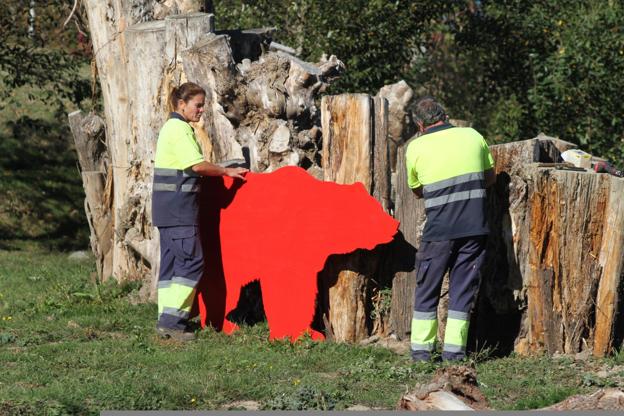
(49, 60)
(577, 89)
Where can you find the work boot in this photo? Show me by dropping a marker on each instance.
(421, 356)
(176, 334)
(453, 356)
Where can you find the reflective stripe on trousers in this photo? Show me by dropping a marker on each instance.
(424, 332)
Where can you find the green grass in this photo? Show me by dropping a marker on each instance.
(71, 346)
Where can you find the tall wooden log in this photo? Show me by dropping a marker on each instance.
(89, 139)
(354, 150)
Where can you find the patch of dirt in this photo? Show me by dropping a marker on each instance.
(390, 342)
(358, 408)
(242, 405)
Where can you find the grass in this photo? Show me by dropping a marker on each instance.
(71, 346)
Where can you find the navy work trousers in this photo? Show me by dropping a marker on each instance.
(181, 268)
(463, 258)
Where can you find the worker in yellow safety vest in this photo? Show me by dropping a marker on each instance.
(178, 167)
(450, 167)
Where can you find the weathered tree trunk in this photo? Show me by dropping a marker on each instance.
(89, 138)
(571, 241)
(354, 150)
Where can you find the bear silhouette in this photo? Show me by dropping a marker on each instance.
(279, 228)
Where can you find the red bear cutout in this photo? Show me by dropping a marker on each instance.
(279, 228)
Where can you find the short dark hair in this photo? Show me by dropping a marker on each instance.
(184, 92)
(428, 111)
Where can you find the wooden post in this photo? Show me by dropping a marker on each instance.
(354, 150)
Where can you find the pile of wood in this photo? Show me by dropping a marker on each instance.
(452, 388)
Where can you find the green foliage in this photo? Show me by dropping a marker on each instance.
(577, 86)
(47, 60)
(40, 184)
(544, 398)
(513, 68)
(519, 383)
(516, 68)
(305, 398)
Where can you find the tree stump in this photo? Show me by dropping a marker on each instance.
(555, 255)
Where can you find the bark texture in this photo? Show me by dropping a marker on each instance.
(410, 212)
(354, 150)
(89, 139)
(554, 265)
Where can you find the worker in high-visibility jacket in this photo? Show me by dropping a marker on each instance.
(178, 167)
(450, 167)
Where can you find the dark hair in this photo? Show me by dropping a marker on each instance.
(428, 111)
(184, 92)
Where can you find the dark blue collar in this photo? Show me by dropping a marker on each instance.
(438, 128)
(178, 116)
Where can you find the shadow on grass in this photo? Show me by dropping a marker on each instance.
(41, 195)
